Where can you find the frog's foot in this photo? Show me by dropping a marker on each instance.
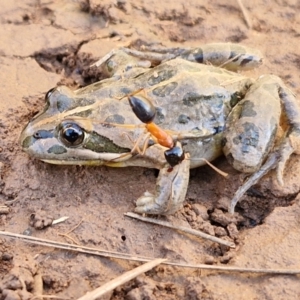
(270, 164)
(276, 159)
(171, 187)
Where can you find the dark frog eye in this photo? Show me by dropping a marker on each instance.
(71, 134)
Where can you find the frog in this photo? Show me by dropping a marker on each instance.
(201, 99)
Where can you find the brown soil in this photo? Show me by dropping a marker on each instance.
(44, 43)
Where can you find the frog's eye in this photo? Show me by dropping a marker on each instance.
(71, 134)
(48, 94)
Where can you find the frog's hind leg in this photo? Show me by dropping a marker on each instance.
(127, 62)
(229, 56)
(288, 143)
(226, 55)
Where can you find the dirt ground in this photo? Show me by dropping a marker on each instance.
(45, 43)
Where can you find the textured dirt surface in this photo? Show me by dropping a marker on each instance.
(45, 43)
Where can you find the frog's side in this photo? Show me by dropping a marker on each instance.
(195, 103)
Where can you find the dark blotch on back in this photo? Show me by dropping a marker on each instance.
(84, 114)
(159, 115)
(191, 98)
(161, 76)
(183, 119)
(165, 90)
(248, 138)
(118, 119)
(125, 91)
(247, 110)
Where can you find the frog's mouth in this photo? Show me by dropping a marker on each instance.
(85, 162)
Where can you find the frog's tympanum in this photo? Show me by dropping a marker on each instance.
(199, 101)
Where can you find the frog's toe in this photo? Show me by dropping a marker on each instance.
(286, 152)
(145, 199)
(147, 204)
(149, 207)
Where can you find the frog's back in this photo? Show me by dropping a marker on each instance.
(190, 96)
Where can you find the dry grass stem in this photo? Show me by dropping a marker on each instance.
(4, 209)
(38, 286)
(245, 14)
(109, 286)
(49, 297)
(60, 220)
(118, 255)
(224, 174)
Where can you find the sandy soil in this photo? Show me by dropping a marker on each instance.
(45, 43)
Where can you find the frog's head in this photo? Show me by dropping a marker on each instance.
(63, 133)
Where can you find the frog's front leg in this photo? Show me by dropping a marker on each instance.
(171, 187)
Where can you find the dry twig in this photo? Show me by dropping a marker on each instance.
(109, 286)
(38, 286)
(181, 228)
(66, 235)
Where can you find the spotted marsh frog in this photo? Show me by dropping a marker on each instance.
(207, 109)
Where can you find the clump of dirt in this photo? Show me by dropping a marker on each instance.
(75, 68)
(40, 220)
(19, 279)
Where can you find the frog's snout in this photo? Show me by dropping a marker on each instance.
(24, 138)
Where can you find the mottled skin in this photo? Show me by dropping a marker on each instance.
(195, 103)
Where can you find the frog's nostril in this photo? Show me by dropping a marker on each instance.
(43, 134)
(36, 135)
